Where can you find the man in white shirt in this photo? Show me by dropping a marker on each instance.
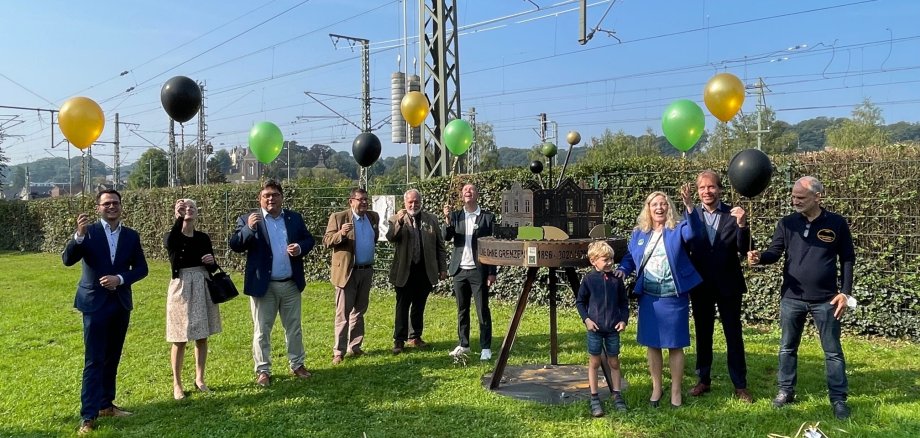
(472, 279)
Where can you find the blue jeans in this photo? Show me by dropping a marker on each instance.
(609, 340)
(792, 320)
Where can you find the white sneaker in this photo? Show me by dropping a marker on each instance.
(460, 351)
(486, 354)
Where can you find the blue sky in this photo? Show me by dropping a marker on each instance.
(516, 61)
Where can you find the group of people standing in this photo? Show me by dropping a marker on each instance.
(695, 259)
(275, 240)
(677, 261)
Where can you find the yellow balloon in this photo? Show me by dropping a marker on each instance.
(724, 94)
(81, 121)
(414, 108)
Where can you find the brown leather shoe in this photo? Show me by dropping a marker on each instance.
(700, 389)
(114, 411)
(86, 427)
(264, 380)
(398, 347)
(302, 372)
(744, 395)
(337, 359)
(417, 343)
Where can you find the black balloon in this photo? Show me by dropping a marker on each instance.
(181, 98)
(749, 172)
(366, 149)
(536, 166)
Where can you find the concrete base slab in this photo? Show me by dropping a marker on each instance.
(549, 384)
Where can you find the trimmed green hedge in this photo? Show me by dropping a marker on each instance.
(876, 190)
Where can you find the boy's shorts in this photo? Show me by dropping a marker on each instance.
(611, 340)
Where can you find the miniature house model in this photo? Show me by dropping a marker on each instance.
(573, 209)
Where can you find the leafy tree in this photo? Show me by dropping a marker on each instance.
(344, 163)
(726, 140)
(864, 129)
(488, 151)
(188, 166)
(221, 161)
(515, 157)
(903, 131)
(151, 170)
(609, 146)
(811, 132)
(215, 176)
(489, 161)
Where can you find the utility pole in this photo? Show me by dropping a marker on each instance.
(542, 129)
(116, 161)
(761, 106)
(365, 88)
(115, 156)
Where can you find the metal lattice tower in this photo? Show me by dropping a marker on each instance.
(441, 67)
(474, 154)
(201, 168)
(173, 161)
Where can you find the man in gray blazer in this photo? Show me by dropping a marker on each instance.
(472, 279)
(419, 262)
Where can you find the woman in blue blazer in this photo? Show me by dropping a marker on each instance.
(666, 276)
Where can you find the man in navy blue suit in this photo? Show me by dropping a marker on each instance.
(275, 241)
(716, 255)
(113, 260)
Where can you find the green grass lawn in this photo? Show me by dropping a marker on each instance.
(418, 393)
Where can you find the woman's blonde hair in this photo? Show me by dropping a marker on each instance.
(599, 249)
(644, 221)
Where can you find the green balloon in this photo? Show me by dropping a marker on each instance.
(683, 123)
(549, 150)
(458, 136)
(265, 141)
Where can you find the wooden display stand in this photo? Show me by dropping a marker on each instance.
(562, 254)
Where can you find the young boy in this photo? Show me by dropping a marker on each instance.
(604, 308)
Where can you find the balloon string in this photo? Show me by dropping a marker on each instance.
(750, 225)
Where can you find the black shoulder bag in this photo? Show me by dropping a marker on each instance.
(221, 286)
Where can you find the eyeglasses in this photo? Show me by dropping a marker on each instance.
(807, 227)
(271, 195)
(110, 204)
(360, 199)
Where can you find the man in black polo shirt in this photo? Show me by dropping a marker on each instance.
(812, 240)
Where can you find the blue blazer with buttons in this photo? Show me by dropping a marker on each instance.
(675, 243)
(259, 251)
(97, 262)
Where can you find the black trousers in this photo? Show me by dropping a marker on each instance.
(103, 338)
(704, 303)
(410, 304)
(471, 284)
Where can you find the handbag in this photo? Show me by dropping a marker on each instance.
(631, 285)
(221, 287)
